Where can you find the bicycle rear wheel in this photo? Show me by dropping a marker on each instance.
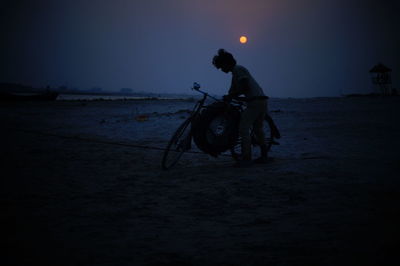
(179, 143)
(269, 133)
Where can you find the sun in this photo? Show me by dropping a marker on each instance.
(243, 39)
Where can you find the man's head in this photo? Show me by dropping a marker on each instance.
(224, 61)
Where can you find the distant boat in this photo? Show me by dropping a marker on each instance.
(12, 97)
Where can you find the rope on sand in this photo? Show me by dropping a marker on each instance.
(100, 141)
(138, 146)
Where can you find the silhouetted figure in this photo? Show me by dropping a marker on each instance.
(244, 84)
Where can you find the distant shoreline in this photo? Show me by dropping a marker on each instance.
(370, 95)
(115, 97)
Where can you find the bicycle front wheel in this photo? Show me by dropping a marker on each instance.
(179, 143)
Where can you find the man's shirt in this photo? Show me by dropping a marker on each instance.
(253, 89)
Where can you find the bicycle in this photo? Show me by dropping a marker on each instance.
(181, 140)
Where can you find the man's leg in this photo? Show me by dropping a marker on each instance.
(247, 119)
(259, 132)
(244, 132)
(260, 136)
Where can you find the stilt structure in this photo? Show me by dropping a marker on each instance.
(381, 79)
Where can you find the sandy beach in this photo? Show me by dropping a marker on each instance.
(71, 197)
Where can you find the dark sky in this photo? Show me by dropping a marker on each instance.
(302, 48)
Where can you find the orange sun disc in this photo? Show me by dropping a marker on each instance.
(243, 39)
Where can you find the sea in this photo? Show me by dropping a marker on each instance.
(108, 97)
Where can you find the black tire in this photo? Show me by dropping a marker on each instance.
(215, 129)
(178, 144)
(269, 130)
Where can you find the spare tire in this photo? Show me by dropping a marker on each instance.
(215, 130)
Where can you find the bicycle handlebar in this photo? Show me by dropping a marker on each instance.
(196, 87)
(237, 100)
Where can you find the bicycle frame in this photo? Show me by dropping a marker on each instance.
(181, 142)
(200, 104)
(239, 102)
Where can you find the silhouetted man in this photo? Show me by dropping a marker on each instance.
(253, 116)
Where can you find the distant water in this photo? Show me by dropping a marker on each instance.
(91, 97)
